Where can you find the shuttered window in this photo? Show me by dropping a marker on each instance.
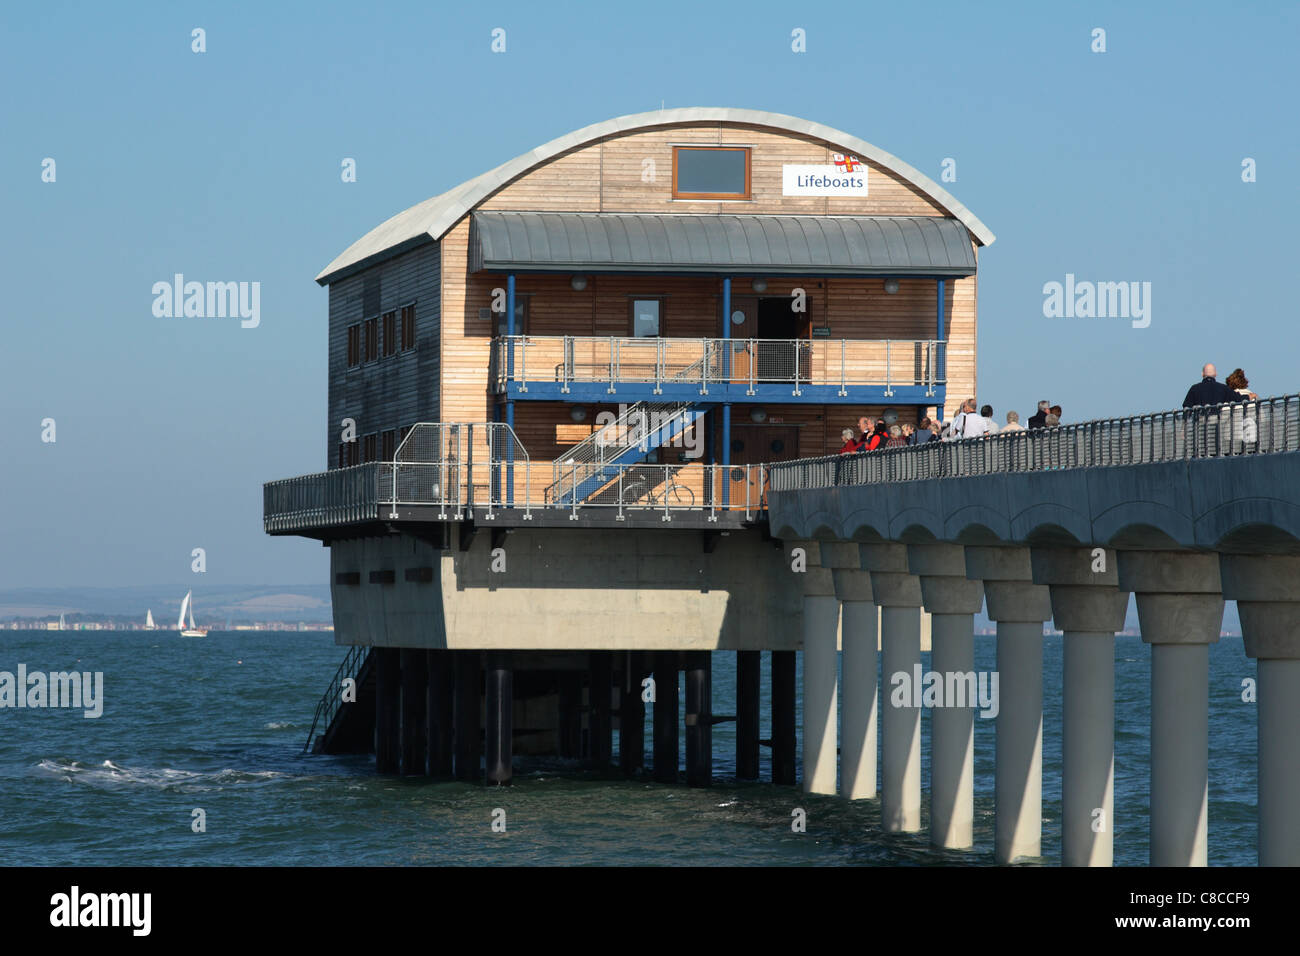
(354, 345)
(408, 327)
(387, 445)
(372, 339)
(372, 448)
(390, 333)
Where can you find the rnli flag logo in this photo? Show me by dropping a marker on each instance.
(847, 163)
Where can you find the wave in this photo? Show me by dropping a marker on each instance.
(111, 775)
(281, 725)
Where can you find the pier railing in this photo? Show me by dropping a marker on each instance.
(614, 360)
(456, 470)
(1242, 428)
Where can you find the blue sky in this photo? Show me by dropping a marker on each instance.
(1115, 166)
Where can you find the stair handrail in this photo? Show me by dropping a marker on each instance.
(330, 702)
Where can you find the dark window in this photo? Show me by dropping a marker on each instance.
(354, 452)
(778, 446)
(372, 340)
(408, 327)
(647, 317)
(372, 450)
(402, 433)
(737, 446)
(390, 333)
(343, 455)
(521, 317)
(387, 445)
(710, 172)
(354, 345)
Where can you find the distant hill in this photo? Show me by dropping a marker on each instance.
(280, 602)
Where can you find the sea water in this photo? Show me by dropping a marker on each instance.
(217, 725)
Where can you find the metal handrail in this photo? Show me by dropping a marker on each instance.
(842, 363)
(1249, 427)
(332, 699)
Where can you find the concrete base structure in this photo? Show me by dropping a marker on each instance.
(1180, 608)
(952, 600)
(899, 595)
(1089, 608)
(1266, 591)
(1020, 608)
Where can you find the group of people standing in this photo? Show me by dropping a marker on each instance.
(873, 433)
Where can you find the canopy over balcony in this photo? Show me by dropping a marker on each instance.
(931, 246)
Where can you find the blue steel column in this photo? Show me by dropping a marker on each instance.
(510, 377)
(940, 359)
(726, 376)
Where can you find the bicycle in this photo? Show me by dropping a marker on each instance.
(674, 495)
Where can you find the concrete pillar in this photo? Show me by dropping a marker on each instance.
(783, 718)
(600, 722)
(414, 725)
(748, 684)
(952, 599)
(1268, 601)
(821, 618)
(499, 730)
(1089, 608)
(631, 716)
(388, 691)
(665, 717)
(699, 718)
(439, 690)
(469, 688)
(1180, 610)
(899, 595)
(1020, 608)
(859, 638)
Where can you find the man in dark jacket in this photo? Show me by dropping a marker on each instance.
(1208, 391)
(1040, 420)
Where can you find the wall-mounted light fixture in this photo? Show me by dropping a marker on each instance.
(758, 415)
(578, 413)
(578, 283)
(759, 285)
(891, 286)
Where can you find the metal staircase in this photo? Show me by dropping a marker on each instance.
(596, 461)
(350, 728)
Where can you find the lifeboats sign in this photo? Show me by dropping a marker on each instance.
(847, 176)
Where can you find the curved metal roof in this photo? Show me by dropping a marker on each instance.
(751, 244)
(433, 217)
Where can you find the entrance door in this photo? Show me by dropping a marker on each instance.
(787, 352)
(754, 445)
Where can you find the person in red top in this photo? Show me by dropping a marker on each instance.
(850, 442)
(877, 438)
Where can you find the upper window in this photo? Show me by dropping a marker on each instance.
(408, 327)
(372, 339)
(389, 320)
(710, 172)
(354, 345)
(646, 318)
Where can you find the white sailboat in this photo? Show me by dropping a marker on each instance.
(149, 625)
(187, 607)
(63, 624)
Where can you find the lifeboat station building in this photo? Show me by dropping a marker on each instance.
(553, 394)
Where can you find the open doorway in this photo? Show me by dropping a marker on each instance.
(778, 320)
(782, 354)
